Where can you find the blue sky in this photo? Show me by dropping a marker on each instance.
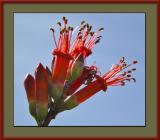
(123, 35)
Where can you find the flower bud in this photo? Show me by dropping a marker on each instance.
(41, 92)
(29, 84)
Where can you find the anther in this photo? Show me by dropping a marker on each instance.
(134, 79)
(80, 29)
(87, 25)
(52, 30)
(134, 69)
(90, 28)
(63, 18)
(97, 41)
(59, 23)
(92, 33)
(82, 22)
(134, 62)
(101, 29)
(128, 75)
(129, 71)
(99, 36)
(84, 26)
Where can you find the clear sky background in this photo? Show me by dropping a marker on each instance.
(124, 35)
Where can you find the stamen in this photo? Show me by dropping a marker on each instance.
(54, 37)
(114, 77)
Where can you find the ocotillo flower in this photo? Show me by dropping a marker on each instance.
(41, 92)
(29, 84)
(70, 56)
(62, 58)
(113, 77)
(82, 48)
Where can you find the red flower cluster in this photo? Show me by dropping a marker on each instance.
(59, 89)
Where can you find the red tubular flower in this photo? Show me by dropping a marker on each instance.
(41, 92)
(84, 93)
(62, 59)
(112, 78)
(84, 43)
(29, 84)
(62, 56)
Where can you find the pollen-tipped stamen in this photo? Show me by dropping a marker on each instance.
(54, 37)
